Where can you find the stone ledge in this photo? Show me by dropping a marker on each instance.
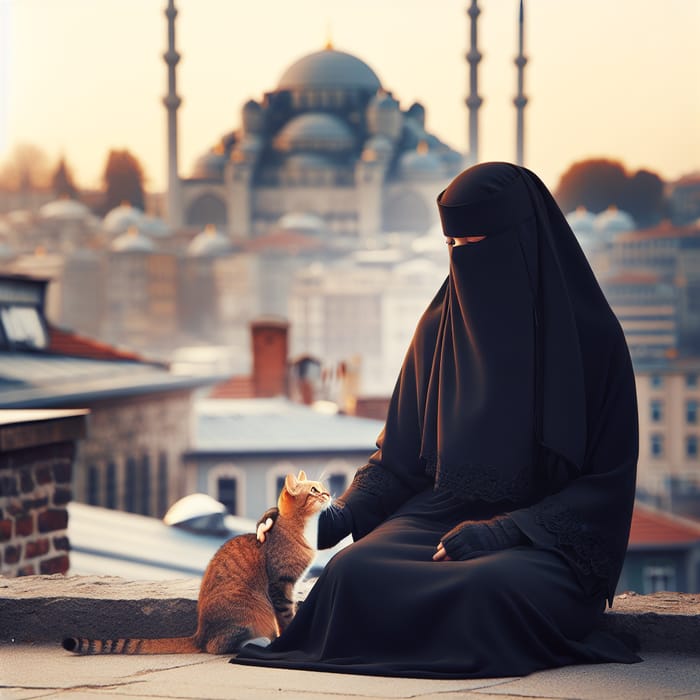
(48, 608)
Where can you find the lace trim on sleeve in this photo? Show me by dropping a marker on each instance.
(375, 480)
(585, 547)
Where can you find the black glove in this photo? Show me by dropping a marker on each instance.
(472, 536)
(334, 523)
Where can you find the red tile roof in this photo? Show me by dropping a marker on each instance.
(651, 526)
(64, 342)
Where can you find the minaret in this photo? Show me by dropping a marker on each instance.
(473, 101)
(520, 100)
(172, 102)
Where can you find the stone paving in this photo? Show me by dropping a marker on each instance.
(42, 671)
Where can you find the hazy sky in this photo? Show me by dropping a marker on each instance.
(615, 78)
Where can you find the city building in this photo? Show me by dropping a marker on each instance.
(139, 412)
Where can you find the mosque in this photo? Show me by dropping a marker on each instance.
(329, 142)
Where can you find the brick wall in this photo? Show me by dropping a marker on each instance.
(36, 463)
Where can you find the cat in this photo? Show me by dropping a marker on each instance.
(247, 588)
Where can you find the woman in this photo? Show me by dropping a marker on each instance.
(491, 524)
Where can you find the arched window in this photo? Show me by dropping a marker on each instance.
(226, 484)
(207, 209)
(275, 479)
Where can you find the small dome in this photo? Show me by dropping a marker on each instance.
(64, 210)
(122, 218)
(209, 243)
(315, 131)
(377, 148)
(133, 241)
(581, 220)
(210, 165)
(301, 222)
(613, 221)
(154, 227)
(329, 69)
(420, 164)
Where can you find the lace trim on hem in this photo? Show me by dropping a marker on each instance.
(479, 482)
(585, 548)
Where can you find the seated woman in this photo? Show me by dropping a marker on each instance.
(491, 524)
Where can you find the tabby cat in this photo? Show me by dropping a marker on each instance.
(247, 589)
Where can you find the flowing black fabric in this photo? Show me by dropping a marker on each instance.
(515, 397)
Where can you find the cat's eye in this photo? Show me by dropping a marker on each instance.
(314, 489)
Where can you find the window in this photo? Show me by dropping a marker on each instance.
(145, 486)
(657, 445)
(111, 486)
(656, 410)
(656, 381)
(658, 578)
(691, 380)
(691, 411)
(227, 493)
(162, 493)
(22, 326)
(337, 483)
(93, 485)
(130, 486)
(691, 446)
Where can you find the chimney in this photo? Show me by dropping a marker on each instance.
(269, 337)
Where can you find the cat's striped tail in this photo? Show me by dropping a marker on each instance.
(166, 645)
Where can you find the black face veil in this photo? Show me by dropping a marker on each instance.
(508, 369)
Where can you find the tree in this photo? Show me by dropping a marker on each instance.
(645, 199)
(25, 169)
(594, 184)
(598, 183)
(123, 180)
(62, 181)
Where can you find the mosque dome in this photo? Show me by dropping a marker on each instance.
(209, 243)
(133, 241)
(614, 220)
(122, 218)
(154, 227)
(315, 131)
(377, 148)
(581, 220)
(210, 165)
(421, 164)
(64, 210)
(329, 69)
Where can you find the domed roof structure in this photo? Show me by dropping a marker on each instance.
(64, 210)
(420, 164)
(329, 69)
(614, 220)
(133, 241)
(581, 220)
(209, 243)
(315, 131)
(122, 218)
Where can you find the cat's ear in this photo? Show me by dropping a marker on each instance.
(291, 483)
(302, 475)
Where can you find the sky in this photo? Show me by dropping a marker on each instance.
(608, 79)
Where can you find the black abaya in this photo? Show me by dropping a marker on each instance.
(516, 399)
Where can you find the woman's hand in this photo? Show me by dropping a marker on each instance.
(473, 537)
(441, 553)
(264, 525)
